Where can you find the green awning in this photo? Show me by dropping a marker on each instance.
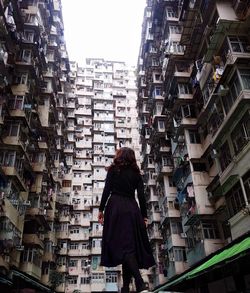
(228, 254)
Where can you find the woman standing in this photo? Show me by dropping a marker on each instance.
(125, 240)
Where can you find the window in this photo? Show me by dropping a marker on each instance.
(73, 263)
(72, 280)
(238, 43)
(176, 227)
(66, 183)
(225, 156)
(61, 261)
(241, 134)
(73, 245)
(174, 29)
(171, 13)
(21, 78)
(16, 103)
(210, 230)
(85, 246)
(235, 87)
(199, 167)
(25, 56)
(180, 254)
(194, 137)
(171, 181)
(166, 161)
(13, 129)
(85, 280)
(111, 277)
(245, 76)
(155, 62)
(77, 187)
(235, 200)
(188, 111)
(74, 231)
(157, 77)
(28, 36)
(161, 125)
(175, 47)
(183, 88)
(97, 278)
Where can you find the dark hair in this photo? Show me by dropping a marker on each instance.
(124, 157)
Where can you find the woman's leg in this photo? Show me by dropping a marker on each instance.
(130, 262)
(126, 277)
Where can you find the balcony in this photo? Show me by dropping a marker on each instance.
(166, 169)
(33, 240)
(154, 217)
(62, 287)
(21, 141)
(175, 240)
(96, 250)
(176, 267)
(13, 171)
(62, 235)
(11, 213)
(240, 222)
(62, 269)
(38, 166)
(98, 285)
(156, 235)
(218, 35)
(20, 89)
(63, 199)
(43, 145)
(236, 109)
(49, 257)
(79, 252)
(95, 233)
(31, 269)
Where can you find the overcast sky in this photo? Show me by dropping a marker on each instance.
(109, 29)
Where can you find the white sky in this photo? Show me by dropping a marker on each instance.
(109, 29)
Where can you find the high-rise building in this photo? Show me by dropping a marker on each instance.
(193, 101)
(60, 127)
(101, 117)
(33, 83)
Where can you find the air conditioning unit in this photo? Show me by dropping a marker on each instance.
(223, 91)
(27, 203)
(183, 235)
(19, 247)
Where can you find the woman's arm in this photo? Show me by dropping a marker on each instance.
(141, 198)
(106, 191)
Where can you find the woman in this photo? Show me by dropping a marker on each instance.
(125, 239)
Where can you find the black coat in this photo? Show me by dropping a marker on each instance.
(124, 230)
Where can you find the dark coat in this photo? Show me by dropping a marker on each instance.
(124, 230)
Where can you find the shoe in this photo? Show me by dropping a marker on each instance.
(124, 290)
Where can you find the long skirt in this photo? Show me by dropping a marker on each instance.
(124, 232)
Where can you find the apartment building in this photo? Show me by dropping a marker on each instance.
(101, 117)
(60, 126)
(193, 102)
(33, 85)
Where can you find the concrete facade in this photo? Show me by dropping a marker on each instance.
(193, 101)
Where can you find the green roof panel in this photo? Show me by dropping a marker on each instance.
(228, 254)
